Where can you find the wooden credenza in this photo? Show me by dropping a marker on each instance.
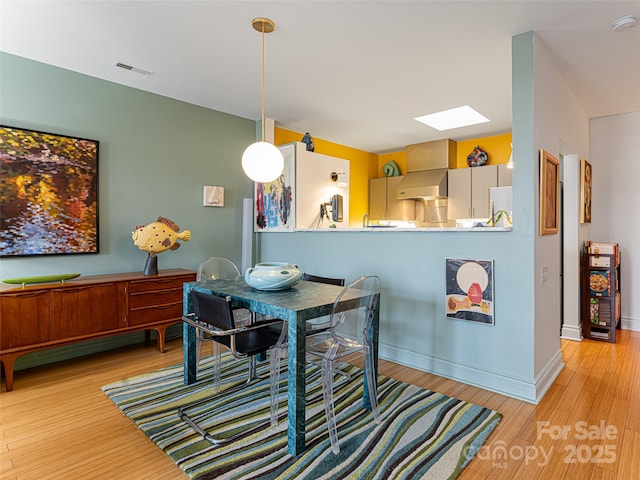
(42, 316)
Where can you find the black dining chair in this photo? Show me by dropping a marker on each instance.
(214, 315)
(216, 268)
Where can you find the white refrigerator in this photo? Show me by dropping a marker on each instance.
(501, 198)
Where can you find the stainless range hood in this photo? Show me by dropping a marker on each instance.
(423, 184)
(427, 167)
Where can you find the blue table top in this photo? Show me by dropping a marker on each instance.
(303, 301)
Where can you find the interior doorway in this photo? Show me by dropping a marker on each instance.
(570, 241)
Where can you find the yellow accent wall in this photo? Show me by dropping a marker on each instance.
(362, 168)
(498, 147)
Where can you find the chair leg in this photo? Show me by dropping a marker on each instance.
(328, 371)
(277, 354)
(327, 394)
(182, 411)
(216, 366)
(346, 377)
(198, 345)
(372, 384)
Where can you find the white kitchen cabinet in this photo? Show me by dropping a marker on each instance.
(383, 204)
(468, 191)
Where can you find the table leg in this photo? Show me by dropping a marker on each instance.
(189, 347)
(296, 395)
(189, 361)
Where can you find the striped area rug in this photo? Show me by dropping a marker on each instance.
(422, 434)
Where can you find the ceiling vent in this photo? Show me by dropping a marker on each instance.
(131, 68)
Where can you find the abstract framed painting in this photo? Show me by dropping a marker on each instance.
(49, 199)
(275, 201)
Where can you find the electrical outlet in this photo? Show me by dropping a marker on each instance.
(545, 274)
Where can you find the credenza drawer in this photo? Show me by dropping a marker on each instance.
(155, 297)
(159, 283)
(156, 313)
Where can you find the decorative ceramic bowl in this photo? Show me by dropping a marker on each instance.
(477, 157)
(272, 276)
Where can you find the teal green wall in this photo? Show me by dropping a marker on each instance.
(155, 156)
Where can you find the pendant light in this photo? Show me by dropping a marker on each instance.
(262, 161)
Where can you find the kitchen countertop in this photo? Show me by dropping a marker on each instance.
(404, 229)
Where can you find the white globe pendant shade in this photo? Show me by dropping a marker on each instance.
(262, 162)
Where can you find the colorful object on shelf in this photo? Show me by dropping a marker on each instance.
(158, 237)
(390, 169)
(308, 140)
(477, 157)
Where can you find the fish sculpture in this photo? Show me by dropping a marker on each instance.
(159, 236)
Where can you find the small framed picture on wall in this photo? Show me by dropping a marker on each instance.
(585, 191)
(549, 194)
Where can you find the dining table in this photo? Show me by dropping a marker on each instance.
(295, 305)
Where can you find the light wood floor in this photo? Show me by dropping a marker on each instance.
(57, 423)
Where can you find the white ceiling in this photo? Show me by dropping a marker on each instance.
(352, 72)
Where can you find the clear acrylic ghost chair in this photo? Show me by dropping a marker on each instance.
(215, 268)
(214, 315)
(322, 323)
(350, 336)
(280, 352)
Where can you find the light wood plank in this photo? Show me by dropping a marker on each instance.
(58, 423)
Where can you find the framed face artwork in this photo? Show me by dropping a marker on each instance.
(549, 194)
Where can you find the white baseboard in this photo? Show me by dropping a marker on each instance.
(629, 323)
(571, 332)
(548, 375)
(512, 387)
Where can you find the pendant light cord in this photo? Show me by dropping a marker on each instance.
(263, 82)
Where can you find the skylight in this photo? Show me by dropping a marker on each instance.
(453, 118)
